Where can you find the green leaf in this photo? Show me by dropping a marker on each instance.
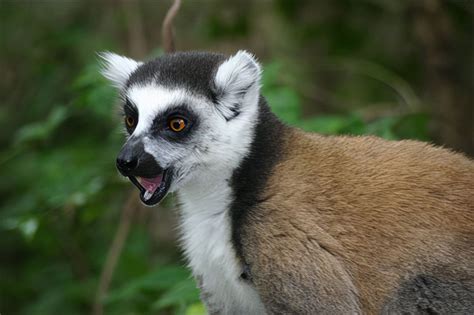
(413, 126)
(383, 127)
(163, 279)
(28, 227)
(40, 131)
(196, 309)
(334, 124)
(285, 104)
(182, 293)
(94, 92)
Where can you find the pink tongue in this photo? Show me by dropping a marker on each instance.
(151, 184)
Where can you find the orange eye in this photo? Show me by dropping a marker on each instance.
(129, 121)
(177, 124)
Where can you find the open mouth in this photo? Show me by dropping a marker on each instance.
(154, 189)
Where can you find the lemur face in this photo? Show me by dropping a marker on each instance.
(188, 116)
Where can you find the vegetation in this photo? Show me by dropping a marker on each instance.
(344, 67)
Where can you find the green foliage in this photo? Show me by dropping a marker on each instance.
(40, 131)
(286, 103)
(167, 287)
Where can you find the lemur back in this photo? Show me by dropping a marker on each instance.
(363, 225)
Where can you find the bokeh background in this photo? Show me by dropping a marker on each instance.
(73, 237)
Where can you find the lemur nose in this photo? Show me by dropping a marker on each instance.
(130, 156)
(127, 164)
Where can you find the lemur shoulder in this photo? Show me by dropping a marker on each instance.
(275, 220)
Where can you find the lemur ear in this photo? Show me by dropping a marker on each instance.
(237, 81)
(117, 68)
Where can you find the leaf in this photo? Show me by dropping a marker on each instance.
(94, 92)
(383, 127)
(184, 292)
(284, 101)
(413, 126)
(333, 124)
(29, 227)
(163, 279)
(40, 131)
(285, 104)
(196, 309)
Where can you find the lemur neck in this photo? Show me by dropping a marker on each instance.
(250, 178)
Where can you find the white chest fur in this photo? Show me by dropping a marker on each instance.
(206, 239)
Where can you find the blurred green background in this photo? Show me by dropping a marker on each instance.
(397, 69)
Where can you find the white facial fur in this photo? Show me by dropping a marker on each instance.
(203, 167)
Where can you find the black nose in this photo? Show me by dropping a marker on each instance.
(134, 161)
(127, 164)
(127, 159)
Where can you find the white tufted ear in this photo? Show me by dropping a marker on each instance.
(117, 68)
(235, 79)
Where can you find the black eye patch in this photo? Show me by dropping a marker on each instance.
(161, 123)
(130, 110)
(129, 106)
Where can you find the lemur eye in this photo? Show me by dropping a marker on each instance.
(129, 121)
(177, 124)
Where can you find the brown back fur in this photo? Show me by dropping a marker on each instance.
(346, 220)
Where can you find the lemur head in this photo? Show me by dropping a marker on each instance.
(187, 115)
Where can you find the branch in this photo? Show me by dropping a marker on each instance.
(167, 28)
(137, 43)
(114, 253)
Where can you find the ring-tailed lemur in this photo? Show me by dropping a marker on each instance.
(275, 220)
